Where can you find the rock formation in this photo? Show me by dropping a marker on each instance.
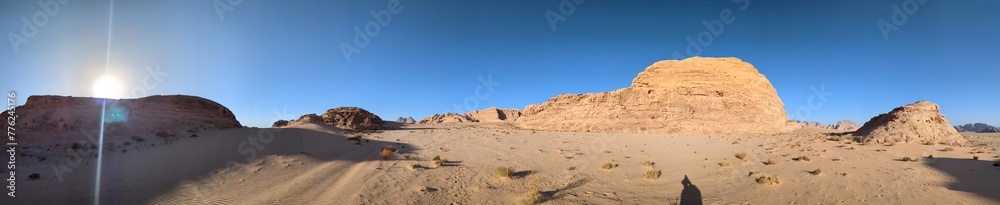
(56, 119)
(920, 122)
(694, 95)
(407, 120)
(974, 127)
(989, 130)
(348, 118)
(491, 114)
(843, 125)
(446, 118)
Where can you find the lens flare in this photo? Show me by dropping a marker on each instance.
(107, 87)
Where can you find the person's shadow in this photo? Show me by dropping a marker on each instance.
(690, 194)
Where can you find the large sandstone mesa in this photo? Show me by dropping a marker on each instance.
(920, 122)
(491, 114)
(57, 119)
(976, 127)
(348, 118)
(694, 95)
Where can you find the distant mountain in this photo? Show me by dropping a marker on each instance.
(845, 125)
(976, 127)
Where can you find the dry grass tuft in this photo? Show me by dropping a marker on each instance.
(504, 172)
(608, 165)
(770, 162)
(652, 174)
(769, 180)
(647, 163)
(724, 164)
(387, 152)
(802, 158)
(416, 166)
(533, 196)
(815, 172)
(742, 156)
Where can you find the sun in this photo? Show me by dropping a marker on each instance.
(107, 87)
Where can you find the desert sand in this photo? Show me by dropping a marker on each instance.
(316, 164)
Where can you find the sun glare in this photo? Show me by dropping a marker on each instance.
(107, 87)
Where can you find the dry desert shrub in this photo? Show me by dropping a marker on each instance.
(504, 172)
(909, 159)
(948, 149)
(975, 157)
(724, 164)
(815, 172)
(741, 156)
(647, 163)
(387, 152)
(533, 196)
(652, 174)
(770, 162)
(608, 165)
(802, 158)
(769, 180)
(415, 166)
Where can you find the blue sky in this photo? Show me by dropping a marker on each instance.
(266, 56)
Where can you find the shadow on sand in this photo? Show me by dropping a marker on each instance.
(139, 176)
(691, 195)
(974, 176)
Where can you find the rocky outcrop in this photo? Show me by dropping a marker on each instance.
(491, 114)
(694, 95)
(352, 118)
(348, 118)
(55, 119)
(844, 125)
(920, 122)
(446, 118)
(989, 130)
(407, 120)
(494, 114)
(975, 127)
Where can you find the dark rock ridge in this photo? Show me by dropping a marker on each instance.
(56, 119)
(348, 118)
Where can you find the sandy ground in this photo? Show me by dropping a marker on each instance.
(315, 164)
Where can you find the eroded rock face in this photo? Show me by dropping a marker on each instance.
(58, 119)
(491, 114)
(695, 95)
(920, 122)
(352, 118)
(307, 119)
